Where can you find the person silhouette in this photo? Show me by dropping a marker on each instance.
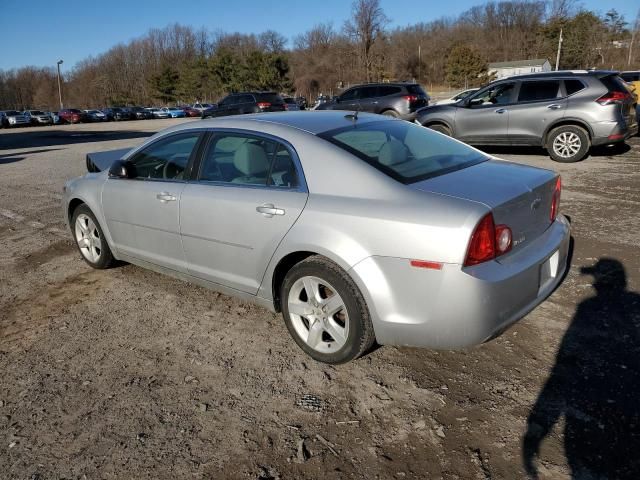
(595, 384)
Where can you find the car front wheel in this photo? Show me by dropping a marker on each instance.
(568, 144)
(90, 239)
(325, 312)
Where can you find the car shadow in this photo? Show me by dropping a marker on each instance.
(599, 151)
(55, 137)
(593, 385)
(16, 157)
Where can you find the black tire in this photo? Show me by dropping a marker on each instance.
(360, 337)
(105, 260)
(391, 113)
(439, 127)
(568, 130)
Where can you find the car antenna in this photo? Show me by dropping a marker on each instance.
(352, 116)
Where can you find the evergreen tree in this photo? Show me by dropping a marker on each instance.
(465, 66)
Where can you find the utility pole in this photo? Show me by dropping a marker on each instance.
(559, 48)
(419, 62)
(636, 27)
(59, 86)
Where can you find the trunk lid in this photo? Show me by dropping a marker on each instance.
(519, 196)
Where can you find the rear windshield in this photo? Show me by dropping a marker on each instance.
(289, 100)
(74, 110)
(415, 90)
(268, 97)
(404, 151)
(614, 84)
(36, 112)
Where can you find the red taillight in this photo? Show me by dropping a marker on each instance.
(410, 98)
(488, 241)
(286, 107)
(264, 104)
(614, 97)
(555, 200)
(483, 242)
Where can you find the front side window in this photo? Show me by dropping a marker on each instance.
(539, 91)
(349, 95)
(495, 95)
(165, 159)
(248, 160)
(403, 150)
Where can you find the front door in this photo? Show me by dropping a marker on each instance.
(484, 120)
(248, 194)
(142, 212)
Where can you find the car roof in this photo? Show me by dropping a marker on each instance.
(313, 122)
(564, 74)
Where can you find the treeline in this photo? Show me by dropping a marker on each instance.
(179, 64)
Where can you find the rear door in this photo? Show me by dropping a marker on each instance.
(540, 103)
(142, 212)
(484, 120)
(248, 192)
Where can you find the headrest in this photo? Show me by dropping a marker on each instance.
(251, 159)
(393, 152)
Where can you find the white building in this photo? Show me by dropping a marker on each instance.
(519, 67)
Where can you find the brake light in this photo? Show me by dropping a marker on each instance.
(286, 107)
(410, 98)
(614, 97)
(488, 241)
(264, 104)
(555, 200)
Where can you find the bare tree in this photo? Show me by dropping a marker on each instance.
(365, 27)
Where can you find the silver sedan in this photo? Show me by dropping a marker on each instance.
(358, 228)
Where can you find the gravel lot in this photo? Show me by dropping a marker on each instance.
(129, 374)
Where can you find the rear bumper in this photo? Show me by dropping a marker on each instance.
(458, 307)
(605, 133)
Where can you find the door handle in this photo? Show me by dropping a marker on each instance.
(165, 197)
(554, 106)
(500, 110)
(268, 210)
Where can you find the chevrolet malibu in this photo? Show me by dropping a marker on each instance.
(358, 228)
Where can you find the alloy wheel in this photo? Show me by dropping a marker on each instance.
(567, 144)
(88, 238)
(318, 314)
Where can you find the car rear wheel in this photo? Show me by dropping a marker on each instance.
(90, 239)
(568, 144)
(325, 312)
(391, 113)
(438, 127)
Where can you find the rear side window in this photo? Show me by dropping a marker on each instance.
(573, 86)
(383, 91)
(415, 90)
(614, 84)
(248, 160)
(403, 150)
(272, 98)
(538, 91)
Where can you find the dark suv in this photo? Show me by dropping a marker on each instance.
(246, 102)
(400, 100)
(564, 112)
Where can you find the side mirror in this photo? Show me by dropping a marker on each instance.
(118, 169)
(474, 102)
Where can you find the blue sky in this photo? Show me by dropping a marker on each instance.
(40, 32)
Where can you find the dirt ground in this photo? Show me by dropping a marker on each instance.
(126, 373)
